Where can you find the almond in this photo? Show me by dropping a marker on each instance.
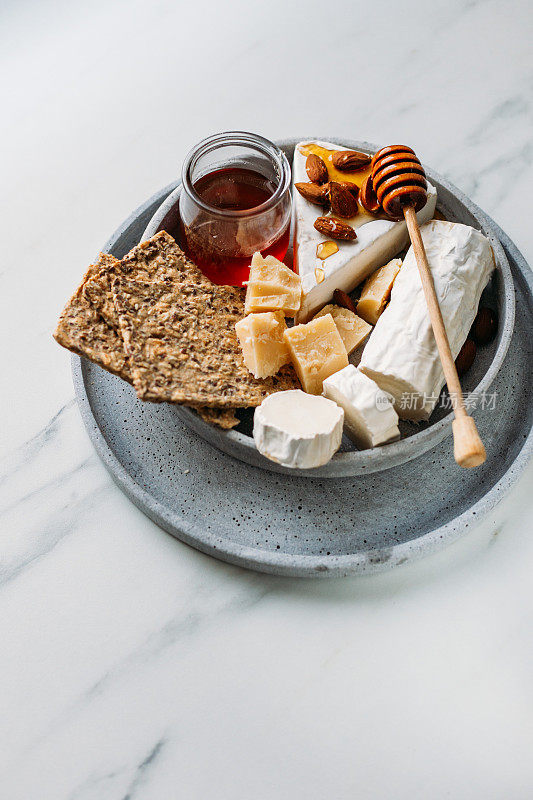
(316, 168)
(466, 356)
(343, 203)
(314, 193)
(335, 229)
(350, 160)
(353, 188)
(485, 326)
(344, 300)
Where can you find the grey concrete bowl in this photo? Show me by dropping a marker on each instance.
(302, 526)
(416, 439)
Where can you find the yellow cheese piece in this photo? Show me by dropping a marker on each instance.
(376, 291)
(317, 351)
(272, 287)
(353, 329)
(261, 339)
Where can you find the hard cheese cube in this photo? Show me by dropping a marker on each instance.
(263, 347)
(272, 287)
(353, 330)
(317, 351)
(376, 291)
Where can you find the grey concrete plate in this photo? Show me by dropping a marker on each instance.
(415, 439)
(293, 525)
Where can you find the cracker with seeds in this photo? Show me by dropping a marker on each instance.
(182, 345)
(224, 418)
(157, 259)
(85, 331)
(82, 330)
(89, 325)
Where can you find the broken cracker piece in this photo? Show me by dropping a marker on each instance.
(224, 418)
(82, 330)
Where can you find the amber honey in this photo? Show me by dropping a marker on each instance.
(215, 246)
(235, 201)
(335, 174)
(326, 249)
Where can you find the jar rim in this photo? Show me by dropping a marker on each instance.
(243, 138)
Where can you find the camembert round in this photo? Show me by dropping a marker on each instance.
(297, 429)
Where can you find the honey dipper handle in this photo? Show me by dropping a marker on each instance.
(468, 447)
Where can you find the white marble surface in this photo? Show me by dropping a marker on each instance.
(132, 666)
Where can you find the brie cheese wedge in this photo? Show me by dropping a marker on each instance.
(369, 416)
(401, 354)
(378, 240)
(297, 429)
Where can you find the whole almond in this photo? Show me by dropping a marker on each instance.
(353, 188)
(350, 160)
(335, 229)
(466, 356)
(343, 203)
(314, 193)
(485, 326)
(344, 300)
(316, 168)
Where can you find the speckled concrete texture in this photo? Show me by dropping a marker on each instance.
(297, 525)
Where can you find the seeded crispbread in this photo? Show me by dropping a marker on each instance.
(82, 329)
(222, 417)
(182, 344)
(157, 259)
(89, 325)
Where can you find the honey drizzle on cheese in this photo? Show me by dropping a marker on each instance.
(334, 174)
(326, 249)
(319, 274)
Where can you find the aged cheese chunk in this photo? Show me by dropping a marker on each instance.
(353, 329)
(263, 346)
(378, 240)
(376, 291)
(401, 354)
(272, 287)
(317, 351)
(298, 429)
(369, 416)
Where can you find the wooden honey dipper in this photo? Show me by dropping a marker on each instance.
(399, 183)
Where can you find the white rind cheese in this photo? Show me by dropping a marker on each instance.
(298, 430)
(369, 416)
(377, 242)
(401, 354)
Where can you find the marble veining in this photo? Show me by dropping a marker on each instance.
(133, 667)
